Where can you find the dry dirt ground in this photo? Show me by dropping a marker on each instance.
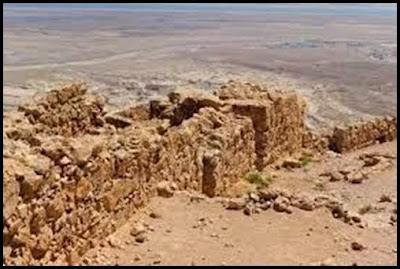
(189, 229)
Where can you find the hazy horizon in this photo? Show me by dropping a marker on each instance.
(320, 8)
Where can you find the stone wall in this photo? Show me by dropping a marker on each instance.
(67, 186)
(277, 119)
(73, 173)
(363, 134)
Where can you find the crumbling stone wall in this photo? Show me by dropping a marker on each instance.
(277, 119)
(76, 183)
(363, 134)
(73, 173)
(68, 111)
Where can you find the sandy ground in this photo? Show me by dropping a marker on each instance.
(189, 231)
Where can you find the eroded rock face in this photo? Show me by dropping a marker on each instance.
(73, 174)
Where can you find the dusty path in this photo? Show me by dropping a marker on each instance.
(102, 60)
(189, 231)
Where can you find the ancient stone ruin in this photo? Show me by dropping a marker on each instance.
(74, 173)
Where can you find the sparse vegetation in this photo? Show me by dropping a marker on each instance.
(320, 186)
(366, 209)
(305, 159)
(370, 209)
(258, 178)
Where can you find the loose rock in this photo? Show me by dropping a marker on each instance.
(164, 189)
(357, 246)
(336, 176)
(236, 204)
(291, 163)
(137, 229)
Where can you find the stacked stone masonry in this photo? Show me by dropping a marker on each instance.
(73, 173)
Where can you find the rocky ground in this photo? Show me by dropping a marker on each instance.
(332, 210)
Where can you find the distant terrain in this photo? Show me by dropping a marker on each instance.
(344, 54)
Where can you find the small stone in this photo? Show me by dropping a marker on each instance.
(371, 161)
(356, 218)
(265, 205)
(291, 163)
(336, 176)
(65, 161)
(86, 261)
(215, 235)
(228, 244)
(137, 229)
(332, 154)
(268, 194)
(155, 215)
(282, 204)
(393, 218)
(236, 204)
(355, 178)
(385, 199)
(140, 238)
(114, 242)
(361, 226)
(306, 204)
(357, 246)
(164, 189)
(168, 230)
(248, 210)
(254, 197)
(338, 212)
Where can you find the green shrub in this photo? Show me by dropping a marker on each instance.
(256, 177)
(305, 159)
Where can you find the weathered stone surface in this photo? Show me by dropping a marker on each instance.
(268, 194)
(363, 134)
(355, 177)
(236, 204)
(71, 177)
(291, 163)
(282, 204)
(336, 176)
(137, 229)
